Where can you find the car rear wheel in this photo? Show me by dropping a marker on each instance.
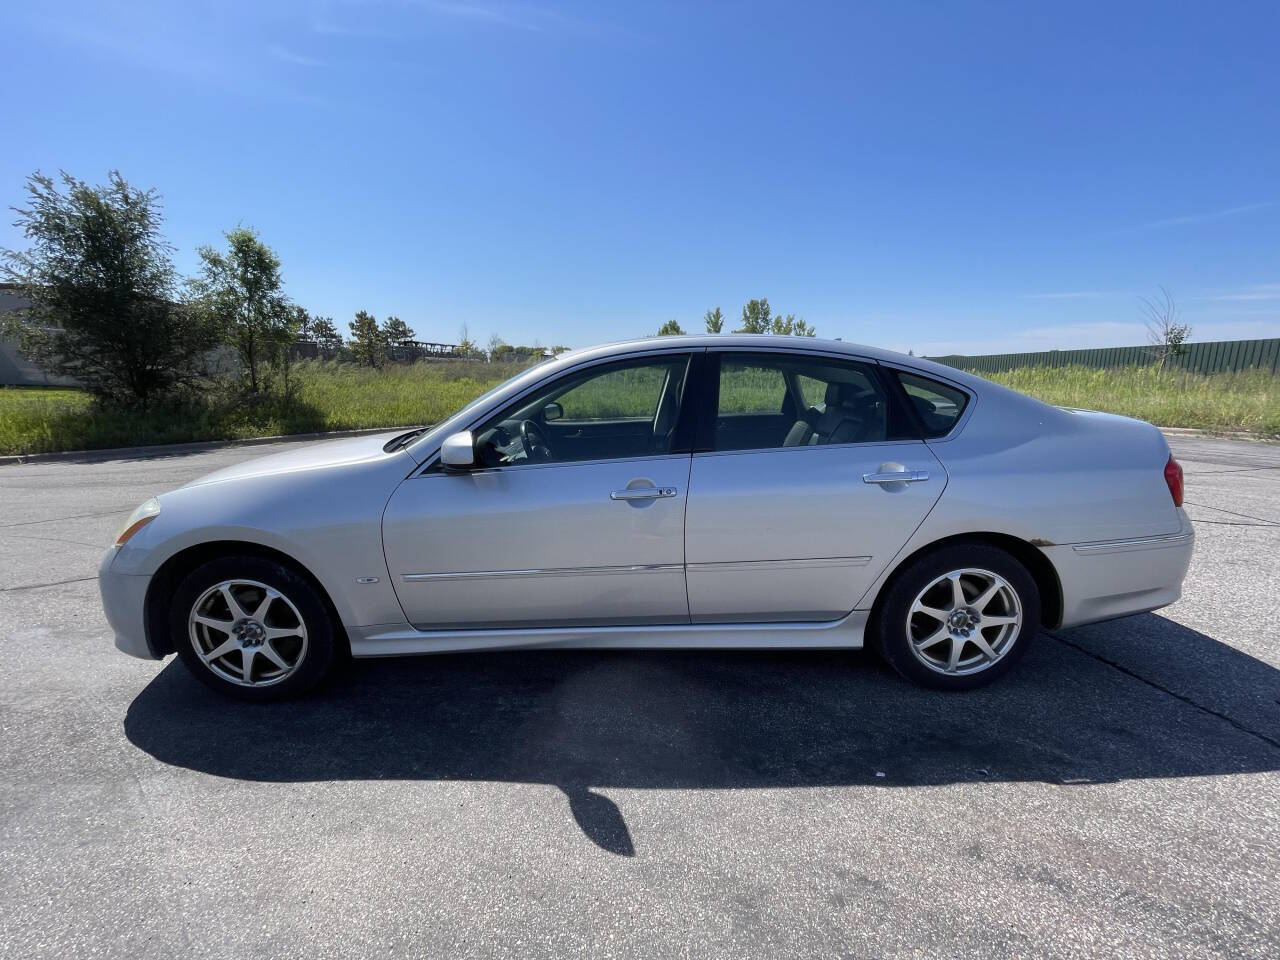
(959, 617)
(253, 628)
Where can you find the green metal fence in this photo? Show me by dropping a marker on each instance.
(1221, 356)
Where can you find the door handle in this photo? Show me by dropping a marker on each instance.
(898, 476)
(643, 493)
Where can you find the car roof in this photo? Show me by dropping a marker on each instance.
(765, 343)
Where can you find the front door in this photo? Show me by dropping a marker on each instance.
(574, 516)
(812, 483)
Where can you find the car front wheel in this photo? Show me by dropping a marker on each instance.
(959, 617)
(253, 628)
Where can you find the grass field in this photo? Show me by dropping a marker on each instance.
(1248, 402)
(341, 397)
(330, 397)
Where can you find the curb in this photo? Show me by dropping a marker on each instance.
(1218, 434)
(177, 449)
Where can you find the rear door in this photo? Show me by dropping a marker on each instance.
(793, 521)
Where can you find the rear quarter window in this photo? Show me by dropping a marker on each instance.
(937, 405)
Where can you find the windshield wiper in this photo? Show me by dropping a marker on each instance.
(395, 443)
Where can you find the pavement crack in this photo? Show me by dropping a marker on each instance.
(38, 586)
(77, 543)
(1236, 523)
(1269, 740)
(79, 516)
(1218, 473)
(1246, 516)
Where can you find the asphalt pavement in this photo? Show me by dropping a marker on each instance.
(1118, 795)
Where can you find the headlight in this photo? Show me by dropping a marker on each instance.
(137, 520)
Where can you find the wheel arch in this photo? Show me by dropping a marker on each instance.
(170, 573)
(1028, 554)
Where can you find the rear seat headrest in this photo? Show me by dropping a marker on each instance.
(842, 394)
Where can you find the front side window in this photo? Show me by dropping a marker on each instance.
(790, 400)
(937, 405)
(618, 410)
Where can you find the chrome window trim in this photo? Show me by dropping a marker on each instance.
(766, 347)
(969, 407)
(756, 451)
(669, 350)
(480, 471)
(804, 352)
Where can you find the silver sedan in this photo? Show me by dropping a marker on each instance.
(691, 492)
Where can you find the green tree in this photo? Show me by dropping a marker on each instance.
(496, 347)
(467, 348)
(1167, 335)
(396, 331)
(104, 305)
(326, 336)
(302, 324)
(756, 317)
(368, 342)
(670, 329)
(241, 289)
(714, 320)
(398, 337)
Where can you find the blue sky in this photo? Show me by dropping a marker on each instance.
(938, 176)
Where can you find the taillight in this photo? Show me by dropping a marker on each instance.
(1173, 477)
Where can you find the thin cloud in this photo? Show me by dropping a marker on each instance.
(1206, 217)
(289, 56)
(351, 18)
(1076, 295)
(500, 16)
(167, 49)
(1259, 291)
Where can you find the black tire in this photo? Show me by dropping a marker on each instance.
(891, 623)
(317, 658)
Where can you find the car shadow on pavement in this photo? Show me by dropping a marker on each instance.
(586, 720)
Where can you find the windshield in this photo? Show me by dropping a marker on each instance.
(458, 420)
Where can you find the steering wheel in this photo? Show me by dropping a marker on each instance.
(534, 441)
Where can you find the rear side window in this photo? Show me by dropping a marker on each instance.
(775, 400)
(938, 405)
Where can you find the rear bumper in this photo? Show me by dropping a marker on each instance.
(1115, 578)
(124, 600)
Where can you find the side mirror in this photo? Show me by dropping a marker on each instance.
(458, 451)
(552, 411)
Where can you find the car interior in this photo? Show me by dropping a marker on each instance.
(624, 410)
(778, 402)
(762, 402)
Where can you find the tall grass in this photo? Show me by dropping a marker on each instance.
(337, 396)
(329, 396)
(1247, 401)
(342, 396)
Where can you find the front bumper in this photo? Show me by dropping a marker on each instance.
(1116, 578)
(124, 601)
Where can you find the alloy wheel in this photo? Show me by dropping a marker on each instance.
(964, 621)
(247, 632)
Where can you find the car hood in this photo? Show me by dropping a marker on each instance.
(323, 454)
